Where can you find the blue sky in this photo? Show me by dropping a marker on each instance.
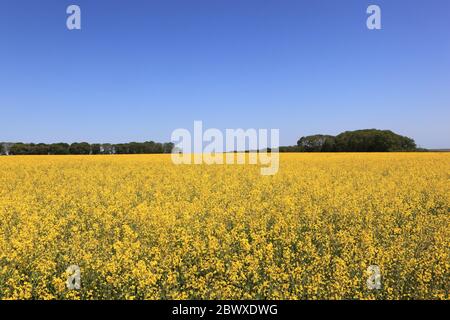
(140, 69)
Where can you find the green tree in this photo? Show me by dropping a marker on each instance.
(373, 140)
(80, 148)
(168, 147)
(95, 148)
(316, 143)
(59, 148)
(41, 148)
(20, 149)
(121, 148)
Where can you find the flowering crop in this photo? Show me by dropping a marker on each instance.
(140, 227)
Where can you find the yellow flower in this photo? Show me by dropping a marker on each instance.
(140, 227)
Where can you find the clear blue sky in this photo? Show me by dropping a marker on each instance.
(140, 69)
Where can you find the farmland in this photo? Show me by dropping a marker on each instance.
(140, 227)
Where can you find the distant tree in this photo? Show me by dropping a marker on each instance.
(367, 140)
(159, 148)
(372, 140)
(316, 143)
(168, 147)
(59, 148)
(147, 147)
(95, 148)
(153, 147)
(80, 148)
(135, 148)
(19, 149)
(122, 148)
(329, 145)
(41, 148)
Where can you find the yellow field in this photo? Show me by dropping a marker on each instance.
(140, 227)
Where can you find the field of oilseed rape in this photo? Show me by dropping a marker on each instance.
(140, 227)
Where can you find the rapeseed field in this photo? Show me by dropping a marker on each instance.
(140, 227)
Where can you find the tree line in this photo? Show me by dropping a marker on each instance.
(85, 148)
(367, 140)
